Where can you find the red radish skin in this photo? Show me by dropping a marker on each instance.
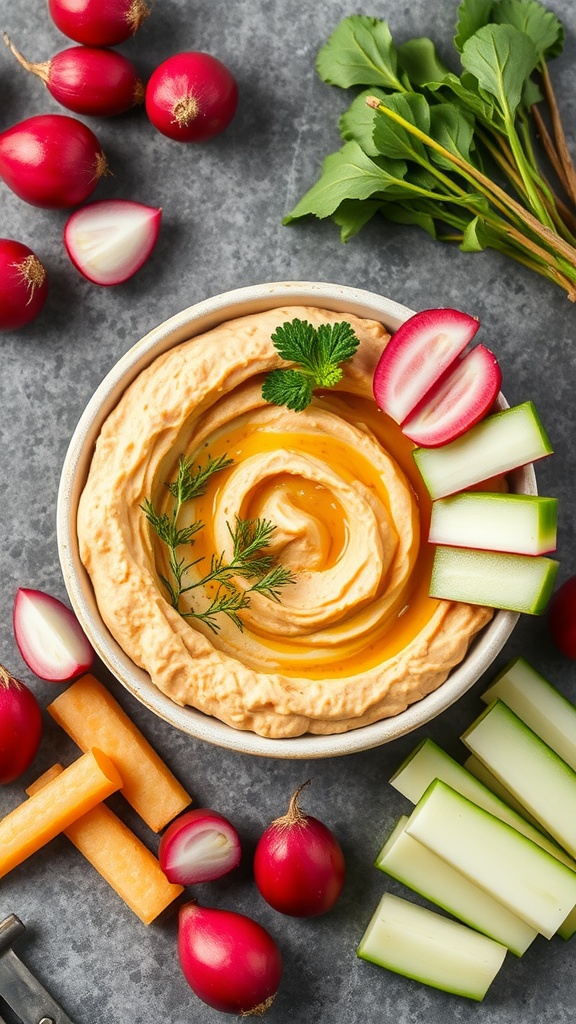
(20, 727)
(230, 961)
(88, 80)
(299, 866)
(562, 618)
(417, 356)
(109, 240)
(191, 97)
(23, 285)
(199, 846)
(462, 398)
(49, 637)
(51, 160)
(98, 22)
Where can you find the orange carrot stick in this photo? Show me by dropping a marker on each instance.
(119, 856)
(93, 718)
(85, 783)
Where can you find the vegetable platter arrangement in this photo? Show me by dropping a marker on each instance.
(107, 932)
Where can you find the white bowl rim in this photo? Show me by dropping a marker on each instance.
(192, 320)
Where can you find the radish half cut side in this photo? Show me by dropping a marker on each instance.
(458, 402)
(49, 637)
(417, 356)
(109, 240)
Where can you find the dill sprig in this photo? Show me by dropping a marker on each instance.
(250, 561)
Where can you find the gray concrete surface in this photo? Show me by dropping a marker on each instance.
(223, 204)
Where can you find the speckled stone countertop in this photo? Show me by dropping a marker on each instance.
(223, 205)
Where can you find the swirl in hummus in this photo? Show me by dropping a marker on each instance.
(356, 638)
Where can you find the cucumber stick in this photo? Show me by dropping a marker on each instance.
(519, 583)
(418, 943)
(428, 762)
(539, 704)
(521, 523)
(480, 771)
(529, 768)
(411, 863)
(499, 443)
(493, 855)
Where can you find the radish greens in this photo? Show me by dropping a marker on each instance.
(477, 158)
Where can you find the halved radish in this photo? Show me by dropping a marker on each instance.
(108, 241)
(417, 356)
(457, 402)
(199, 846)
(49, 637)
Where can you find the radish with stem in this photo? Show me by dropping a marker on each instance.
(88, 80)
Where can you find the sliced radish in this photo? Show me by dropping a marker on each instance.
(49, 637)
(199, 846)
(501, 442)
(457, 402)
(417, 356)
(108, 241)
(518, 583)
(523, 524)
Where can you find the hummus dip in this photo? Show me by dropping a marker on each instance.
(355, 638)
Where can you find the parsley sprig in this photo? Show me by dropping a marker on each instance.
(249, 560)
(317, 351)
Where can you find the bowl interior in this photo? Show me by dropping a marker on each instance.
(190, 322)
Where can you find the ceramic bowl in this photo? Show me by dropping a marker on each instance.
(192, 321)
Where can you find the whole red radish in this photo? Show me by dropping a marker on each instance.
(88, 80)
(20, 727)
(562, 617)
(299, 866)
(199, 846)
(51, 160)
(417, 356)
(98, 22)
(230, 961)
(23, 285)
(49, 637)
(191, 97)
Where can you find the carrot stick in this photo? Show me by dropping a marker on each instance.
(85, 783)
(93, 718)
(119, 856)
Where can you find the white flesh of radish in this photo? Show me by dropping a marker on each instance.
(417, 355)
(529, 768)
(428, 762)
(520, 583)
(526, 879)
(539, 704)
(520, 523)
(409, 862)
(49, 637)
(108, 241)
(420, 944)
(500, 443)
(208, 849)
(458, 402)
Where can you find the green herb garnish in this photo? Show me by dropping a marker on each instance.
(455, 154)
(317, 351)
(249, 560)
